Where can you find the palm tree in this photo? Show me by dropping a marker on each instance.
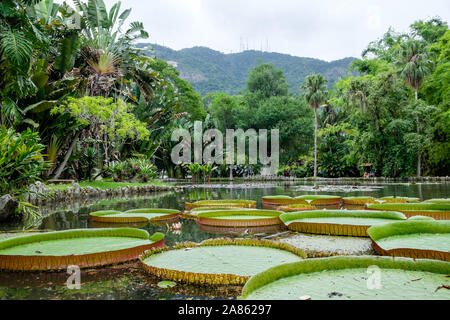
(415, 65)
(315, 91)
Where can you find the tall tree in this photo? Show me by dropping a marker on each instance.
(415, 63)
(315, 91)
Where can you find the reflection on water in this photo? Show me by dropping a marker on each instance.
(128, 281)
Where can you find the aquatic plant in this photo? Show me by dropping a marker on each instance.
(239, 218)
(346, 278)
(203, 263)
(296, 208)
(438, 211)
(86, 248)
(418, 238)
(358, 200)
(221, 203)
(134, 216)
(337, 222)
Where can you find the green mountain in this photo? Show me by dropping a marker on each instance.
(212, 71)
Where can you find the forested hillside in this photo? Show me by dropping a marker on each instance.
(212, 71)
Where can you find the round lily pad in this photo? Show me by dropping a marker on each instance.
(358, 200)
(319, 200)
(322, 200)
(239, 218)
(134, 216)
(438, 211)
(338, 222)
(352, 278)
(297, 208)
(85, 248)
(444, 201)
(218, 262)
(221, 204)
(419, 238)
(397, 200)
(192, 214)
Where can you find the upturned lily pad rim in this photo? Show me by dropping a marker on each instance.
(441, 201)
(221, 203)
(339, 263)
(218, 214)
(407, 199)
(291, 216)
(212, 279)
(410, 207)
(411, 226)
(154, 210)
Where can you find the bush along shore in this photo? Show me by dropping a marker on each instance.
(41, 193)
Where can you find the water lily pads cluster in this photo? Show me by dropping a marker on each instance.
(219, 261)
(338, 222)
(134, 216)
(85, 248)
(297, 207)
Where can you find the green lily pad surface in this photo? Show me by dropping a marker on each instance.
(355, 278)
(149, 214)
(76, 242)
(344, 217)
(239, 260)
(419, 233)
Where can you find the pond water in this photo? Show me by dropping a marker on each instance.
(128, 281)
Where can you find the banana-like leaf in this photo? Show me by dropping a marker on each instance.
(41, 106)
(68, 50)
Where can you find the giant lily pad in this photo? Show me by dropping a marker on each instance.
(221, 204)
(278, 201)
(297, 208)
(443, 201)
(356, 278)
(358, 200)
(239, 218)
(338, 222)
(438, 211)
(85, 248)
(192, 214)
(134, 216)
(415, 238)
(218, 262)
(397, 200)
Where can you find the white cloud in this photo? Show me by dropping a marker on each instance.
(325, 29)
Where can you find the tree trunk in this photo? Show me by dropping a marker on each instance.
(315, 142)
(419, 153)
(67, 156)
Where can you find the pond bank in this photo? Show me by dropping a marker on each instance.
(40, 193)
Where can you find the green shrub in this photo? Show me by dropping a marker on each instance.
(21, 160)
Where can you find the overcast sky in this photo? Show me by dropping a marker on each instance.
(325, 29)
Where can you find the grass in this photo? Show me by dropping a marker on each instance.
(106, 184)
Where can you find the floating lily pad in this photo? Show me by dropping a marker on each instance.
(319, 200)
(351, 278)
(217, 262)
(358, 200)
(438, 211)
(192, 214)
(397, 200)
(297, 208)
(338, 222)
(134, 216)
(221, 204)
(443, 201)
(419, 238)
(323, 200)
(239, 218)
(86, 248)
